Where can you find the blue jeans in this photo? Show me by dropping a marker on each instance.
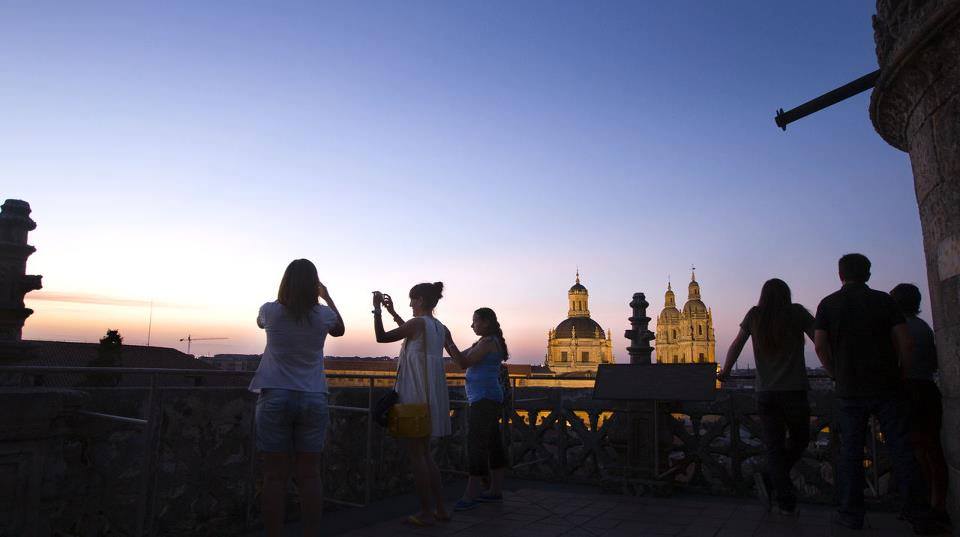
(891, 412)
(291, 420)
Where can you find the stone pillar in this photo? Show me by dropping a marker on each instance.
(915, 107)
(639, 333)
(15, 223)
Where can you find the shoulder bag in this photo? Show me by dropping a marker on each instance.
(412, 420)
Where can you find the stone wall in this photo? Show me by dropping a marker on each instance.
(915, 107)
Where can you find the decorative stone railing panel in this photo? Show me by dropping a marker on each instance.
(192, 469)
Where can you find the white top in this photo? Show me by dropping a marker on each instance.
(293, 357)
(410, 386)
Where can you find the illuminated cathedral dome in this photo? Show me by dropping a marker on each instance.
(670, 311)
(694, 305)
(578, 343)
(583, 327)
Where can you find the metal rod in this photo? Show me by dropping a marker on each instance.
(368, 470)
(348, 408)
(873, 457)
(344, 502)
(656, 442)
(829, 98)
(148, 440)
(522, 464)
(112, 417)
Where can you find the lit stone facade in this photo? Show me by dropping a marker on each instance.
(578, 344)
(686, 336)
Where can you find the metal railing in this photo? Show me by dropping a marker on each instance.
(35, 376)
(150, 423)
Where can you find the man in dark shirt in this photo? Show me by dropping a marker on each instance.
(860, 336)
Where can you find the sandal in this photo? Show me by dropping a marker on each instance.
(465, 505)
(489, 498)
(414, 520)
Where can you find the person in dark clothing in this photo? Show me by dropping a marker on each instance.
(862, 340)
(777, 327)
(926, 409)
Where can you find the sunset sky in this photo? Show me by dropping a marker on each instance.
(184, 152)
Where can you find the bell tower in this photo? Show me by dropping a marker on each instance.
(578, 297)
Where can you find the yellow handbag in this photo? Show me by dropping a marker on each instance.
(412, 420)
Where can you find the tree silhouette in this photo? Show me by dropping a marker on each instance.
(109, 354)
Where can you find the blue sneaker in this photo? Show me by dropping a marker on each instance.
(465, 505)
(489, 498)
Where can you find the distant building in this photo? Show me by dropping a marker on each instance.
(233, 362)
(686, 336)
(77, 354)
(578, 343)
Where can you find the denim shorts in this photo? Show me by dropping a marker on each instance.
(291, 420)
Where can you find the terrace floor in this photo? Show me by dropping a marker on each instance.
(545, 510)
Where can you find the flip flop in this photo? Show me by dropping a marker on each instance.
(465, 505)
(414, 520)
(489, 498)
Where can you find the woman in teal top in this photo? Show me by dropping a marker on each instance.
(485, 451)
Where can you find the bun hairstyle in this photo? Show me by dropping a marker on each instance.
(430, 293)
(489, 316)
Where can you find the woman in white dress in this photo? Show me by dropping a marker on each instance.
(422, 334)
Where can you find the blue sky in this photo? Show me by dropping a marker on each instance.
(185, 152)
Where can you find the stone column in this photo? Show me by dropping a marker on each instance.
(639, 333)
(915, 107)
(15, 223)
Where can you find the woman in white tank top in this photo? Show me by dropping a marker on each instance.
(422, 334)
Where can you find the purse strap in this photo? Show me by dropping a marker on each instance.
(426, 376)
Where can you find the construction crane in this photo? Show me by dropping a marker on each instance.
(190, 339)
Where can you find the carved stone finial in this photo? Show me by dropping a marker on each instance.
(15, 223)
(639, 334)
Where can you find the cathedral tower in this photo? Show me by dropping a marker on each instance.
(685, 336)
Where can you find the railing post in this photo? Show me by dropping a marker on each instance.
(873, 457)
(251, 492)
(736, 445)
(656, 440)
(148, 479)
(368, 478)
(508, 419)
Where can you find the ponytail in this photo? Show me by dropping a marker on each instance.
(490, 316)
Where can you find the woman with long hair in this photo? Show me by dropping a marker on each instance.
(292, 412)
(421, 379)
(777, 327)
(483, 361)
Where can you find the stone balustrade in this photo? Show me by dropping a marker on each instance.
(186, 465)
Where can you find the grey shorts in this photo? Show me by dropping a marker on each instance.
(290, 420)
